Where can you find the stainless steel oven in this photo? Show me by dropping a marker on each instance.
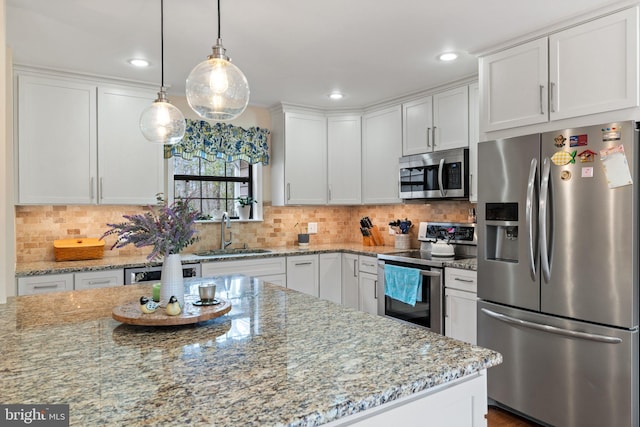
(427, 312)
(437, 175)
(138, 275)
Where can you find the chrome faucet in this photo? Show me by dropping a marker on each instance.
(224, 243)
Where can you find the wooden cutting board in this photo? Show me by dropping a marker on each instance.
(131, 314)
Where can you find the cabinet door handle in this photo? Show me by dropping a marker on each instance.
(541, 96)
(457, 279)
(375, 289)
(101, 190)
(551, 103)
(98, 282)
(302, 263)
(355, 268)
(329, 193)
(368, 264)
(45, 286)
(434, 136)
(428, 134)
(91, 188)
(288, 191)
(446, 305)
(470, 184)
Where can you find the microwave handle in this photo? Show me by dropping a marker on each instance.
(443, 193)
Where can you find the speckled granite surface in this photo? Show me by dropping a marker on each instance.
(278, 358)
(53, 267)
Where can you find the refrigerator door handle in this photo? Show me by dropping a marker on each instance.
(545, 253)
(529, 217)
(443, 193)
(551, 329)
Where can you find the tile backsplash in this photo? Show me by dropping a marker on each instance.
(38, 226)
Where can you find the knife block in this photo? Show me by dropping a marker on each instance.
(374, 239)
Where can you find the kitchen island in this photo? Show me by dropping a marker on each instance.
(278, 358)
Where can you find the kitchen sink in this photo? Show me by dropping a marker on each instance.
(230, 252)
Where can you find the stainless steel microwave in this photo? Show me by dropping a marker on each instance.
(437, 175)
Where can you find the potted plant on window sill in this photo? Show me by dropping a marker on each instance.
(244, 207)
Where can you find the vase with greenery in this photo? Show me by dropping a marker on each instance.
(244, 206)
(168, 229)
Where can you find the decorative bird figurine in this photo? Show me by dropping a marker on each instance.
(147, 306)
(173, 306)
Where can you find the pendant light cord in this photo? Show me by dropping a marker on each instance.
(218, 19)
(162, 45)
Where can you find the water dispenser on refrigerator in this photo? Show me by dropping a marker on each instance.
(501, 231)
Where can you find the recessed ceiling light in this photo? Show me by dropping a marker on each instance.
(448, 56)
(336, 95)
(139, 63)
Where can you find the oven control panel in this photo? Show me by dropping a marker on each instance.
(448, 231)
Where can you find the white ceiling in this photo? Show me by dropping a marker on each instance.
(295, 51)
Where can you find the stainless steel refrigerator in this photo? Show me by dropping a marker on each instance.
(558, 273)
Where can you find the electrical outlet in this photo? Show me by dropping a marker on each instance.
(312, 228)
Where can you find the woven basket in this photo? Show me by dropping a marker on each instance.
(78, 249)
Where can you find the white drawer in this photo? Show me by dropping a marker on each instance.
(44, 284)
(368, 264)
(464, 280)
(99, 279)
(250, 267)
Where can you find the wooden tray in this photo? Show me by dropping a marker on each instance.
(130, 313)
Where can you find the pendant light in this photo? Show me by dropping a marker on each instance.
(162, 122)
(216, 89)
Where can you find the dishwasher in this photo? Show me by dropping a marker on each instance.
(137, 275)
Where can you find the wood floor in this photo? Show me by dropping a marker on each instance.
(498, 417)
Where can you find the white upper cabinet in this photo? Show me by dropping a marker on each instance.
(381, 150)
(417, 126)
(344, 159)
(299, 167)
(514, 86)
(593, 67)
(56, 134)
(587, 69)
(451, 119)
(131, 168)
(78, 142)
(437, 122)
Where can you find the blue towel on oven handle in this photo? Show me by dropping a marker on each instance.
(403, 283)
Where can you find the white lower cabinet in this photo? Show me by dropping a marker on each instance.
(367, 293)
(272, 269)
(367, 281)
(69, 281)
(44, 284)
(350, 281)
(303, 274)
(460, 295)
(98, 279)
(331, 277)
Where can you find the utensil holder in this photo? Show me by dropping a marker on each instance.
(403, 241)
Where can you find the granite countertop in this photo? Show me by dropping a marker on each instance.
(278, 358)
(109, 262)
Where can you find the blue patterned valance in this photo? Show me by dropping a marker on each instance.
(221, 141)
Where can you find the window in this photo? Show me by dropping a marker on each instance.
(213, 186)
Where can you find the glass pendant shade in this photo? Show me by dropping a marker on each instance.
(162, 122)
(217, 90)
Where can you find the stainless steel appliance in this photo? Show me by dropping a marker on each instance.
(558, 273)
(438, 175)
(427, 312)
(139, 275)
